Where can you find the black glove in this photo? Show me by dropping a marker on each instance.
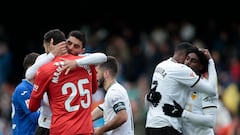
(173, 110)
(154, 97)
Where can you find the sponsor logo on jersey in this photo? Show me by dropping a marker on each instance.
(24, 92)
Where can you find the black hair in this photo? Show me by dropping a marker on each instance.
(29, 59)
(55, 34)
(184, 46)
(79, 35)
(202, 59)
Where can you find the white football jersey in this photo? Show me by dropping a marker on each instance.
(195, 104)
(117, 96)
(172, 80)
(44, 119)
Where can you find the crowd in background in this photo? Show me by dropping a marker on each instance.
(139, 50)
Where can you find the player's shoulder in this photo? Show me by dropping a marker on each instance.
(46, 69)
(117, 88)
(20, 88)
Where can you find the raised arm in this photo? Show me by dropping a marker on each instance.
(41, 60)
(91, 59)
(44, 59)
(208, 86)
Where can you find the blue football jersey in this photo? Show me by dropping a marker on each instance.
(24, 122)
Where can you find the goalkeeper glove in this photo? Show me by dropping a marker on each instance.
(173, 110)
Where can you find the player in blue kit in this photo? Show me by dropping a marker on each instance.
(24, 122)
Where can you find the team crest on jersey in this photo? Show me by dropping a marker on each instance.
(194, 95)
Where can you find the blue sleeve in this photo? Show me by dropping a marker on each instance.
(23, 98)
(34, 116)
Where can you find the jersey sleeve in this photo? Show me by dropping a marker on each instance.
(116, 100)
(208, 86)
(207, 119)
(23, 100)
(209, 101)
(41, 60)
(185, 75)
(94, 79)
(92, 59)
(41, 81)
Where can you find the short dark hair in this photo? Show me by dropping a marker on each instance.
(56, 34)
(184, 46)
(79, 35)
(111, 64)
(29, 59)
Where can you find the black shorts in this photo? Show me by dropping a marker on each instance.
(162, 131)
(42, 131)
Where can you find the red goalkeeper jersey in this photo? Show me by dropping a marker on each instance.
(70, 96)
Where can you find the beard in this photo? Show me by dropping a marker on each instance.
(101, 82)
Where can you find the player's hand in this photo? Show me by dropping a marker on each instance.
(68, 65)
(98, 131)
(206, 53)
(173, 110)
(58, 49)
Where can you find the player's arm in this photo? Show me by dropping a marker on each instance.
(41, 60)
(41, 81)
(24, 103)
(208, 118)
(91, 59)
(119, 119)
(208, 86)
(97, 113)
(212, 78)
(44, 59)
(118, 105)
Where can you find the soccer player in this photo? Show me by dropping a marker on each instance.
(75, 45)
(69, 96)
(24, 122)
(51, 38)
(171, 81)
(199, 114)
(116, 109)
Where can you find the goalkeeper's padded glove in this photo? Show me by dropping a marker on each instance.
(173, 110)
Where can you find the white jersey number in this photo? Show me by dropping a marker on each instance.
(75, 89)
